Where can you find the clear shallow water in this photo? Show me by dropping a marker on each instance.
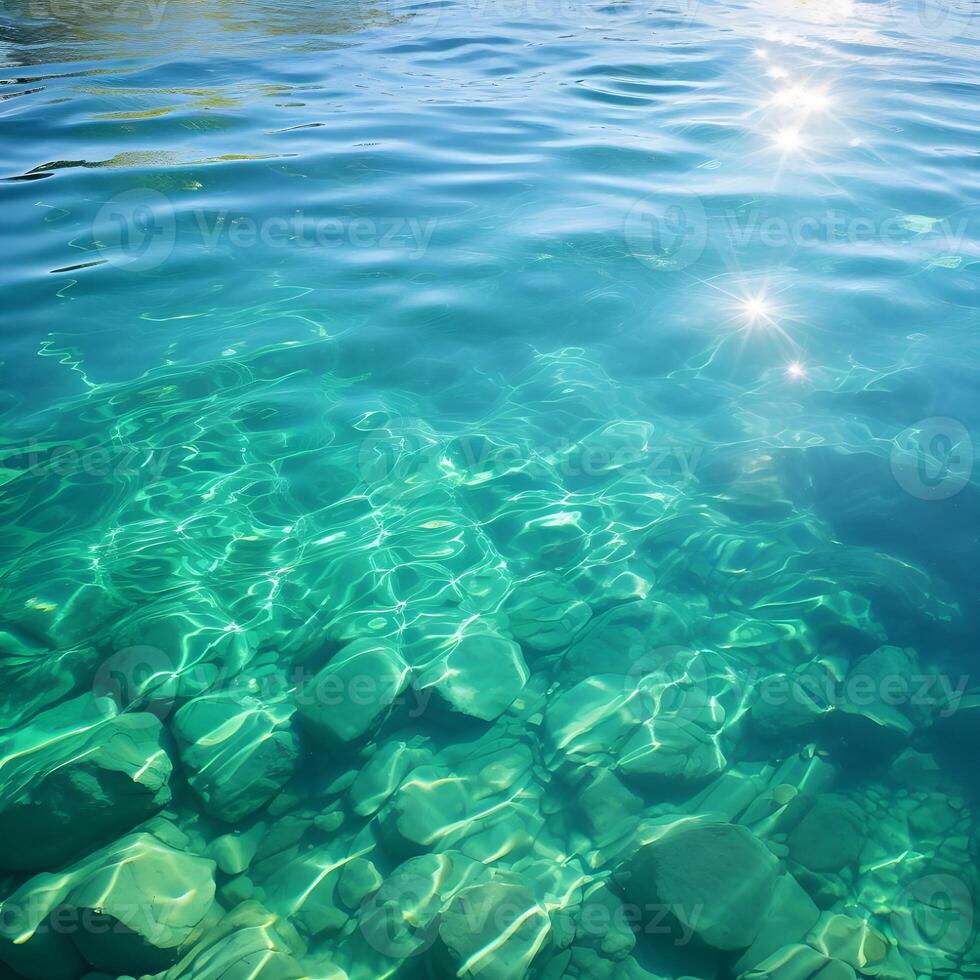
(426, 325)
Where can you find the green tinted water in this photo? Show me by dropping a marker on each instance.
(488, 490)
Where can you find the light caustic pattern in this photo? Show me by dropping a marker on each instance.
(487, 492)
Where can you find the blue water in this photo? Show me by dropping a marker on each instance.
(335, 320)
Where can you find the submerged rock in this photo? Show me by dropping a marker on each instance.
(233, 852)
(624, 636)
(610, 808)
(794, 961)
(248, 942)
(919, 770)
(128, 909)
(711, 881)
(850, 940)
(480, 798)
(958, 723)
(790, 705)
(238, 752)
(359, 879)
(348, 697)
(831, 835)
(400, 920)
(792, 914)
(838, 947)
(74, 777)
(879, 706)
(602, 922)
(591, 718)
(480, 676)
(494, 931)
(544, 613)
(36, 676)
(664, 721)
(671, 748)
(193, 649)
(427, 805)
(382, 775)
(304, 887)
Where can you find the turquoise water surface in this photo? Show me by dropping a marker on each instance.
(488, 489)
